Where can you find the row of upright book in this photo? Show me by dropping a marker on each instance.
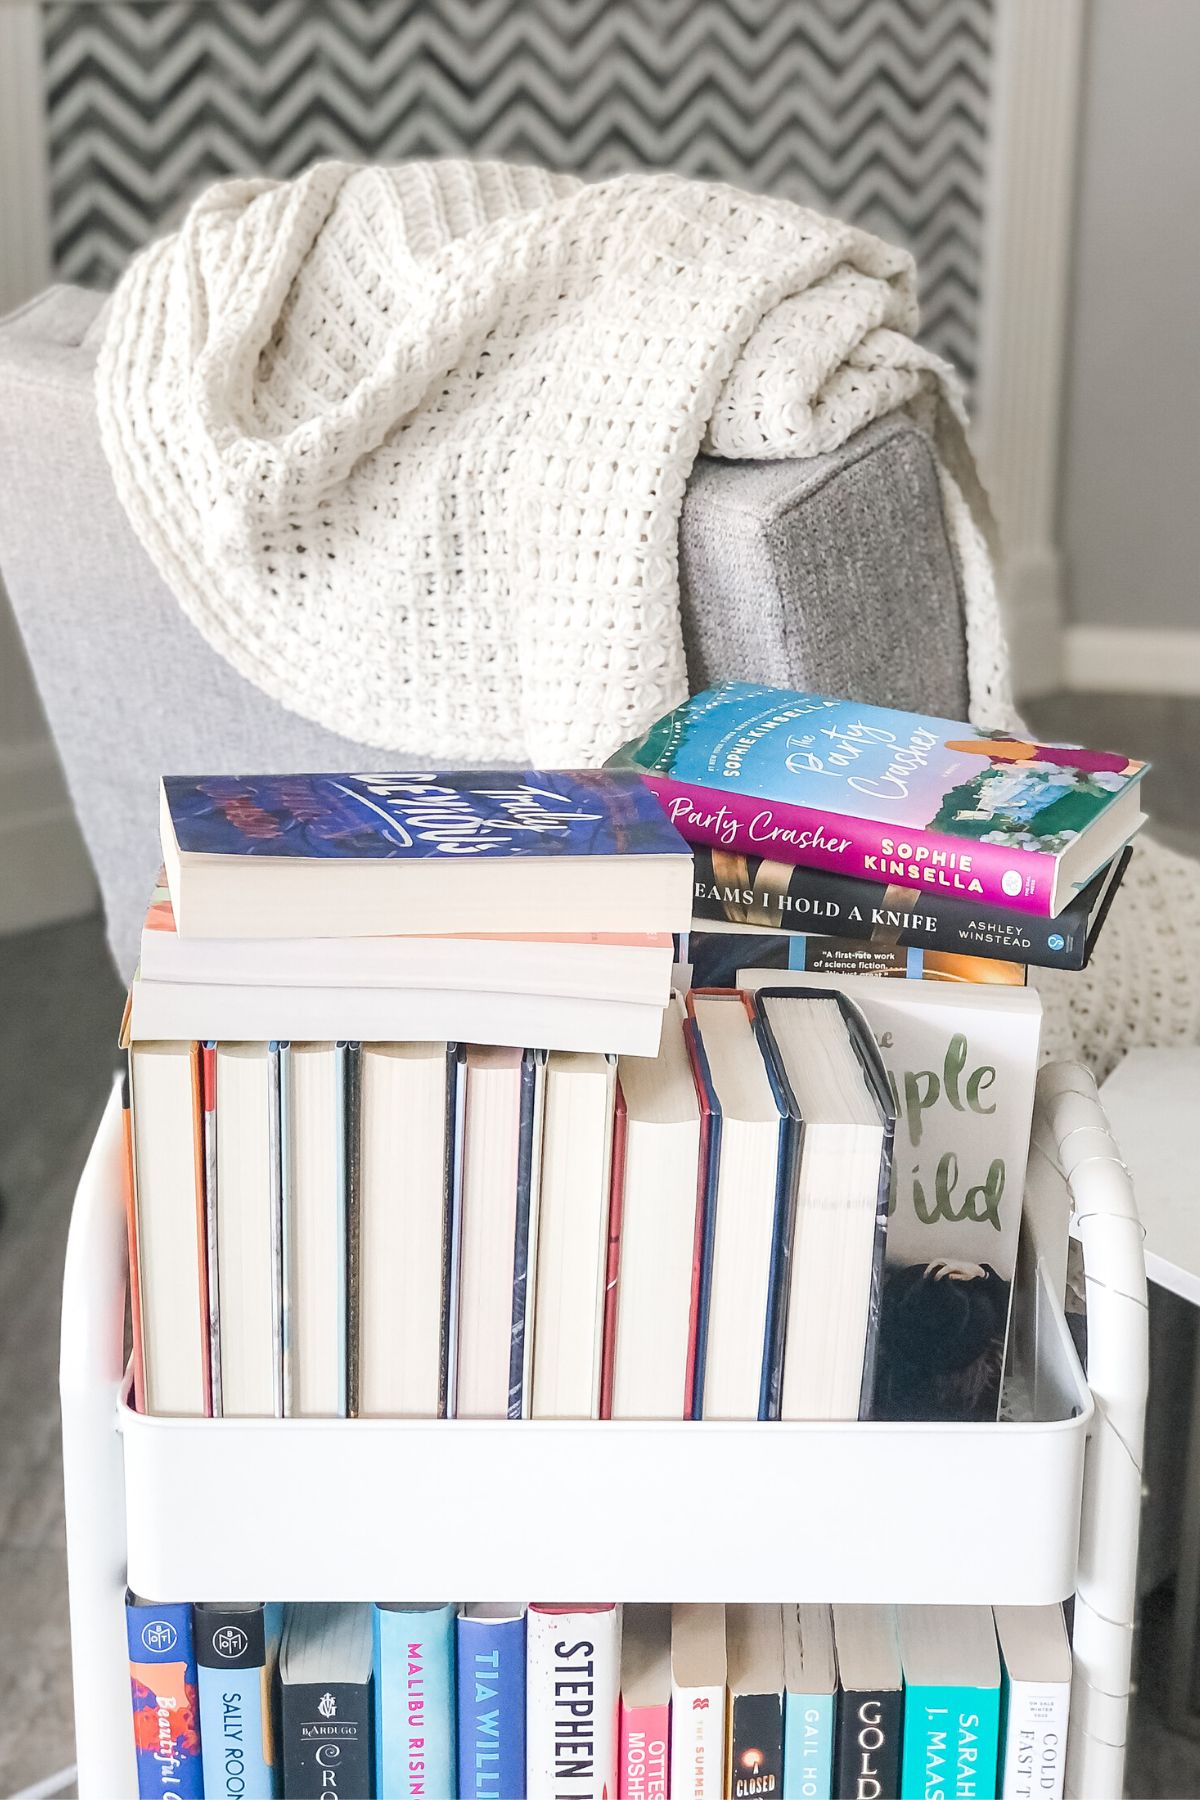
(579, 1702)
(424, 1230)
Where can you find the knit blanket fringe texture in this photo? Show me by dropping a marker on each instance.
(409, 445)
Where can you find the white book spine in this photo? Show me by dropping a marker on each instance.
(697, 1743)
(1035, 1740)
(573, 1662)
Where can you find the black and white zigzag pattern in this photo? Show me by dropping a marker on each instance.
(874, 109)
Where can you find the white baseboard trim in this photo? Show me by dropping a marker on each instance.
(1120, 659)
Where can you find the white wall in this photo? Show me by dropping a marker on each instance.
(1130, 518)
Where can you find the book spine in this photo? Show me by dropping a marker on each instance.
(644, 1769)
(950, 1742)
(706, 1222)
(808, 1747)
(208, 1104)
(166, 1711)
(414, 1663)
(491, 1709)
(697, 1743)
(200, 1177)
(572, 1672)
(1035, 1740)
(319, 1718)
(349, 1087)
(766, 897)
(527, 1154)
(863, 849)
(235, 1655)
(131, 1233)
(755, 1745)
(867, 1761)
(612, 1269)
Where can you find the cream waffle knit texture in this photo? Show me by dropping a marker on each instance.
(410, 445)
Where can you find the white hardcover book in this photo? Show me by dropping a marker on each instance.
(193, 1009)
(404, 1204)
(734, 1373)
(492, 1237)
(659, 1203)
(1036, 1657)
(572, 1685)
(249, 1230)
(314, 1232)
(698, 1685)
(572, 1244)
(164, 1082)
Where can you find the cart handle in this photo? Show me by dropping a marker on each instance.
(1072, 1132)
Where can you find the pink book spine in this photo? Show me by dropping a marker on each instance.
(645, 1752)
(993, 874)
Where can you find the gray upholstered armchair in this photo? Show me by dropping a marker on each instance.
(832, 573)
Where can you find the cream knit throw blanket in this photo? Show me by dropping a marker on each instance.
(410, 446)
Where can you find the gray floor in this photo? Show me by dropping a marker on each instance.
(60, 1006)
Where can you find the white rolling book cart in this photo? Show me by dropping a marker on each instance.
(1037, 1507)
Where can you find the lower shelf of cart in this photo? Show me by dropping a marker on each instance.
(239, 1509)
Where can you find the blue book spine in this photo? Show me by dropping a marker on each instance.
(951, 1739)
(491, 1709)
(166, 1713)
(414, 1701)
(808, 1747)
(237, 1649)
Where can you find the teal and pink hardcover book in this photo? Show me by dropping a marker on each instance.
(888, 796)
(415, 1715)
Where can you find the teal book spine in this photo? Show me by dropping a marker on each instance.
(951, 1739)
(808, 1746)
(415, 1723)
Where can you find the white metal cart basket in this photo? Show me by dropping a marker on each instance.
(1039, 1506)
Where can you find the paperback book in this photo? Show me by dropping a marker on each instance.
(714, 954)
(782, 898)
(887, 796)
(293, 856)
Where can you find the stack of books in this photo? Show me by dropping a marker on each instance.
(832, 837)
(836, 843)
(508, 1702)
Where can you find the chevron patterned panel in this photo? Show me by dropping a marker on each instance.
(875, 109)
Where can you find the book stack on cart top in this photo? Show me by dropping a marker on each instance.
(918, 867)
(507, 907)
(837, 837)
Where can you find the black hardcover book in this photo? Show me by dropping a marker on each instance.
(754, 1650)
(325, 1679)
(753, 891)
(870, 1704)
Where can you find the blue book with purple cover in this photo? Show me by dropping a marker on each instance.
(491, 1703)
(370, 855)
